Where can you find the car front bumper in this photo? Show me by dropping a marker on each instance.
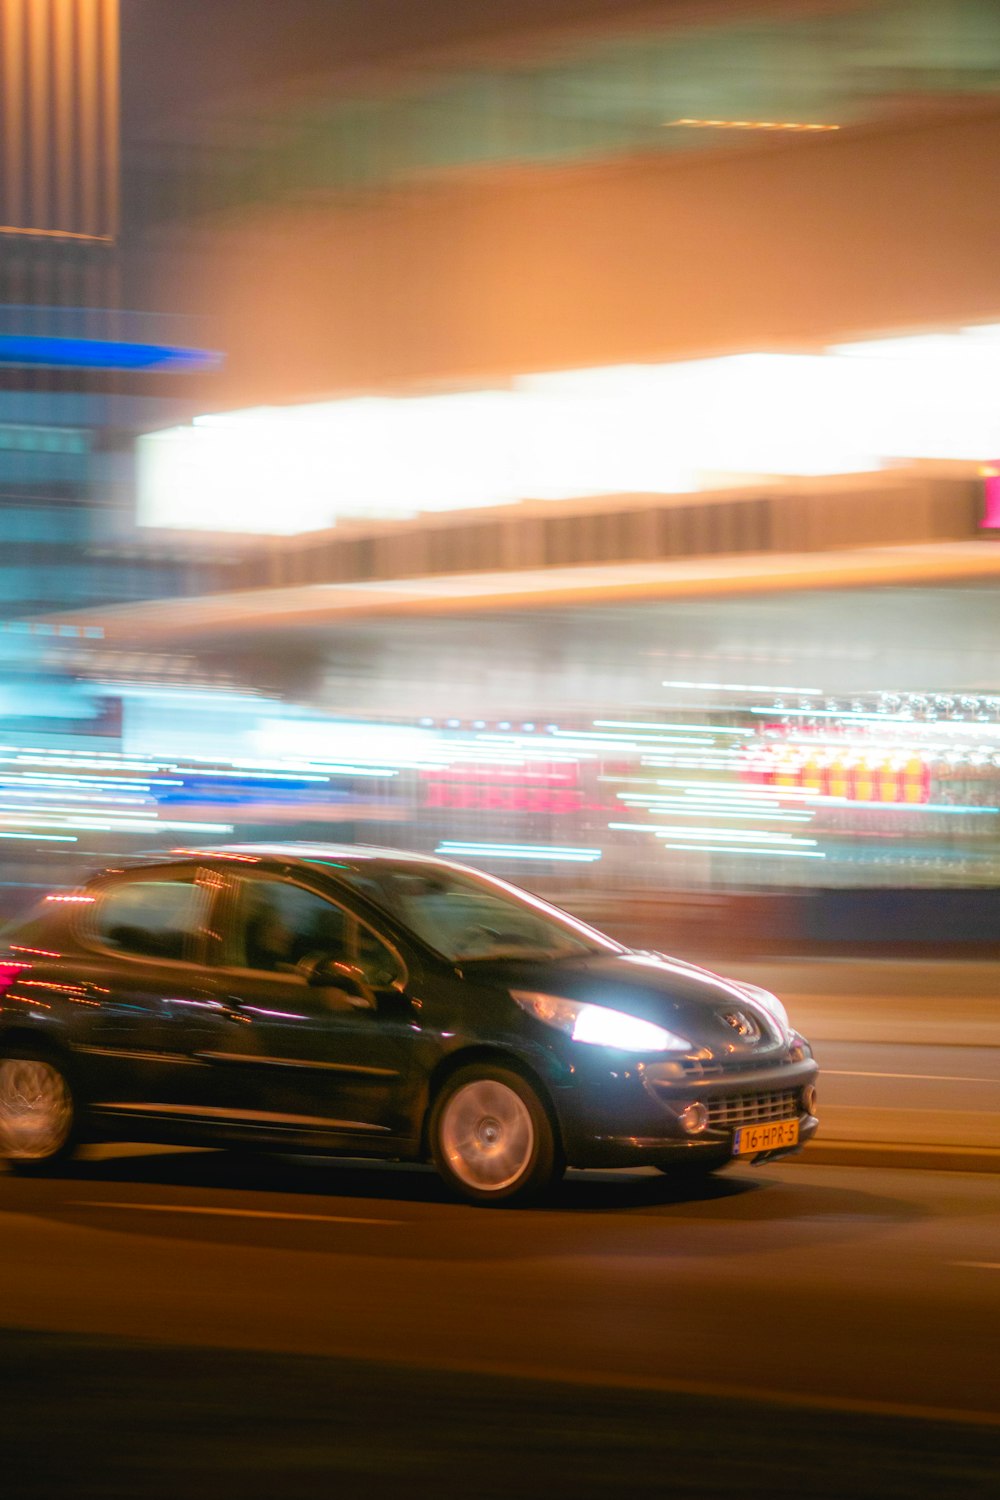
(631, 1116)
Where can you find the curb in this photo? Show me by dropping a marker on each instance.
(886, 1154)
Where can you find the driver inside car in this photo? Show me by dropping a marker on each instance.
(267, 939)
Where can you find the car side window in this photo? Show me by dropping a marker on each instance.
(282, 928)
(379, 965)
(153, 918)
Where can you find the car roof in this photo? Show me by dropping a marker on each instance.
(309, 853)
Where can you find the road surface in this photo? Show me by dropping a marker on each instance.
(190, 1322)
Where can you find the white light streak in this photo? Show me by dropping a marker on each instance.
(746, 834)
(742, 849)
(573, 433)
(687, 728)
(743, 687)
(43, 838)
(677, 809)
(519, 851)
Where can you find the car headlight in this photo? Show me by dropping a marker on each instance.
(599, 1025)
(770, 1003)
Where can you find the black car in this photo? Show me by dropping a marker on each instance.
(365, 1002)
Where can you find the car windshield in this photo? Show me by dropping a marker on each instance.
(464, 915)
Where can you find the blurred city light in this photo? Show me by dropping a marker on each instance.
(644, 429)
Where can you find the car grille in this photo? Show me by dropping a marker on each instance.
(748, 1109)
(694, 1068)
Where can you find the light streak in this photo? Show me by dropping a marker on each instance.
(547, 435)
(743, 687)
(687, 728)
(121, 823)
(560, 854)
(56, 234)
(782, 853)
(905, 728)
(845, 715)
(718, 762)
(799, 126)
(711, 833)
(43, 838)
(631, 742)
(82, 796)
(677, 809)
(874, 805)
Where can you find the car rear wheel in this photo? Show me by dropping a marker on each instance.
(38, 1115)
(492, 1139)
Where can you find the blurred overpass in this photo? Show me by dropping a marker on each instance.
(897, 527)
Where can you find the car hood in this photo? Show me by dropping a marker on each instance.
(713, 1013)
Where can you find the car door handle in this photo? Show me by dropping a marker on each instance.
(228, 1008)
(232, 1011)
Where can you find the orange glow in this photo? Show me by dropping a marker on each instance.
(57, 234)
(59, 119)
(12, 25)
(246, 859)
(799, 125)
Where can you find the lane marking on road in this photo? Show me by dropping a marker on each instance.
(922, 1077)
(229, 1213)
(979, 1265)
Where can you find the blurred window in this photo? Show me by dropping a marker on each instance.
(33, 439)
(281, 926)
(151, 918)
(285, 928)
(379, 965)
(462, 915)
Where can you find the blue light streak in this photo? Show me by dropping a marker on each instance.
(101, 354)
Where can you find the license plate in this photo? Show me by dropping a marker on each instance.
(773, 1136)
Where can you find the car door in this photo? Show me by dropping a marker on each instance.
(149, 1010)
(325, 1062)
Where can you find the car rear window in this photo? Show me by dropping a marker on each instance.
(151, 918)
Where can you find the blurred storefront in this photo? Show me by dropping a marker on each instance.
(711, 753)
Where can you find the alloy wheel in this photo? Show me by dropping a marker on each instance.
(36, 1109)
(487, 1135)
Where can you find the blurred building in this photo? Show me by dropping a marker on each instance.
(557, 351)
(79, 375)
(590, 185)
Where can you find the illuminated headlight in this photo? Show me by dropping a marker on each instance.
(598, 1025)
(770, 1003)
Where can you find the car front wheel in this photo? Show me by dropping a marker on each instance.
(38, 1114)
(491, 1137)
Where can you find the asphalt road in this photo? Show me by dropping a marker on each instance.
(909, 1053)
(908, 1093)
(786, 1281)
(208, 1325)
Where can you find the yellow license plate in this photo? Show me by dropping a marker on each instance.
(774, 1136)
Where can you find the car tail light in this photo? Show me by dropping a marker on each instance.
(9, 972)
